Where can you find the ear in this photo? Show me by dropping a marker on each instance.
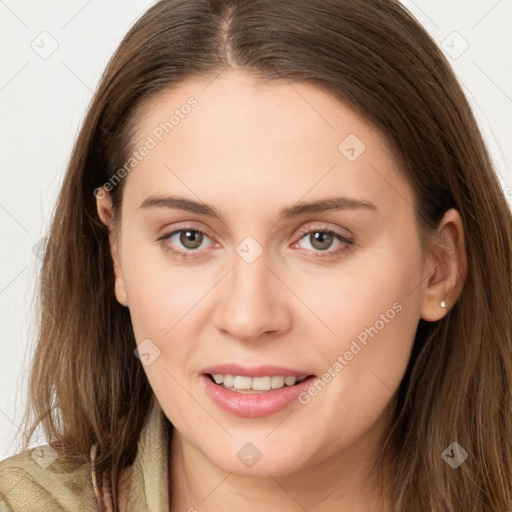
(104, 207)
(447, 267)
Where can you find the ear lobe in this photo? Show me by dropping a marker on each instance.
(105, 213)
(449, 270)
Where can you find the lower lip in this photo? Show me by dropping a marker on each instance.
(254, 405)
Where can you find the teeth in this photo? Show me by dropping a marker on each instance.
(228, 381)
(277, 382)
(261, 383)
(242, 382)
(248, 384)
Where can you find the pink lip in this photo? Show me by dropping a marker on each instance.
(253, 405)
(257, 371)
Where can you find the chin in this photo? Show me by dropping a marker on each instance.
(257, 459)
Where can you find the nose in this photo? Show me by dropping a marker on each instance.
(252, 302)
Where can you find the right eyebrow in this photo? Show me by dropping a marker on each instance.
(181, 203)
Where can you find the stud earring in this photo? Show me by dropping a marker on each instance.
(443, 304)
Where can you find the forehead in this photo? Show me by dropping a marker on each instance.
(235, 137)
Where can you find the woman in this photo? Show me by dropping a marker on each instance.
(278, 275)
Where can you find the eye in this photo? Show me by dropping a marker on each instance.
(184, 242)
(320, 240)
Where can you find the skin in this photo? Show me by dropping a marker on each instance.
(250, 150)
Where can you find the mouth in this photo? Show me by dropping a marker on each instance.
(254, 392)
(255, 385)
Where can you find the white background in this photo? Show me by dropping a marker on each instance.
(43, 101)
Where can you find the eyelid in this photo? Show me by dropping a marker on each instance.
(185, 226)
(323, 227)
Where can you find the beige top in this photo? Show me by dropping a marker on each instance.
(27, 486)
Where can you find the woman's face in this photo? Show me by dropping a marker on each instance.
(309, 266)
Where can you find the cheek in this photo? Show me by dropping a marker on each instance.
(160, 302)
(159, 293)
(163, 302)
(373, 310)
(370, 309)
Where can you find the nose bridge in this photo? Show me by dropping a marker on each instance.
(250, 265)
(250, 304)
(251, 274)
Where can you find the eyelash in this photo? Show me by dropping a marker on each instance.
(346, 242)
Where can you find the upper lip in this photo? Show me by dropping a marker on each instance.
(255, 371)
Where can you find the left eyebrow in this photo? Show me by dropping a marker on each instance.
(304, 208)
(323, 205)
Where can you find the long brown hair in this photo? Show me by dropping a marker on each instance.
(87, 387)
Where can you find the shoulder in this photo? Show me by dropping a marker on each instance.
(42, 480)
